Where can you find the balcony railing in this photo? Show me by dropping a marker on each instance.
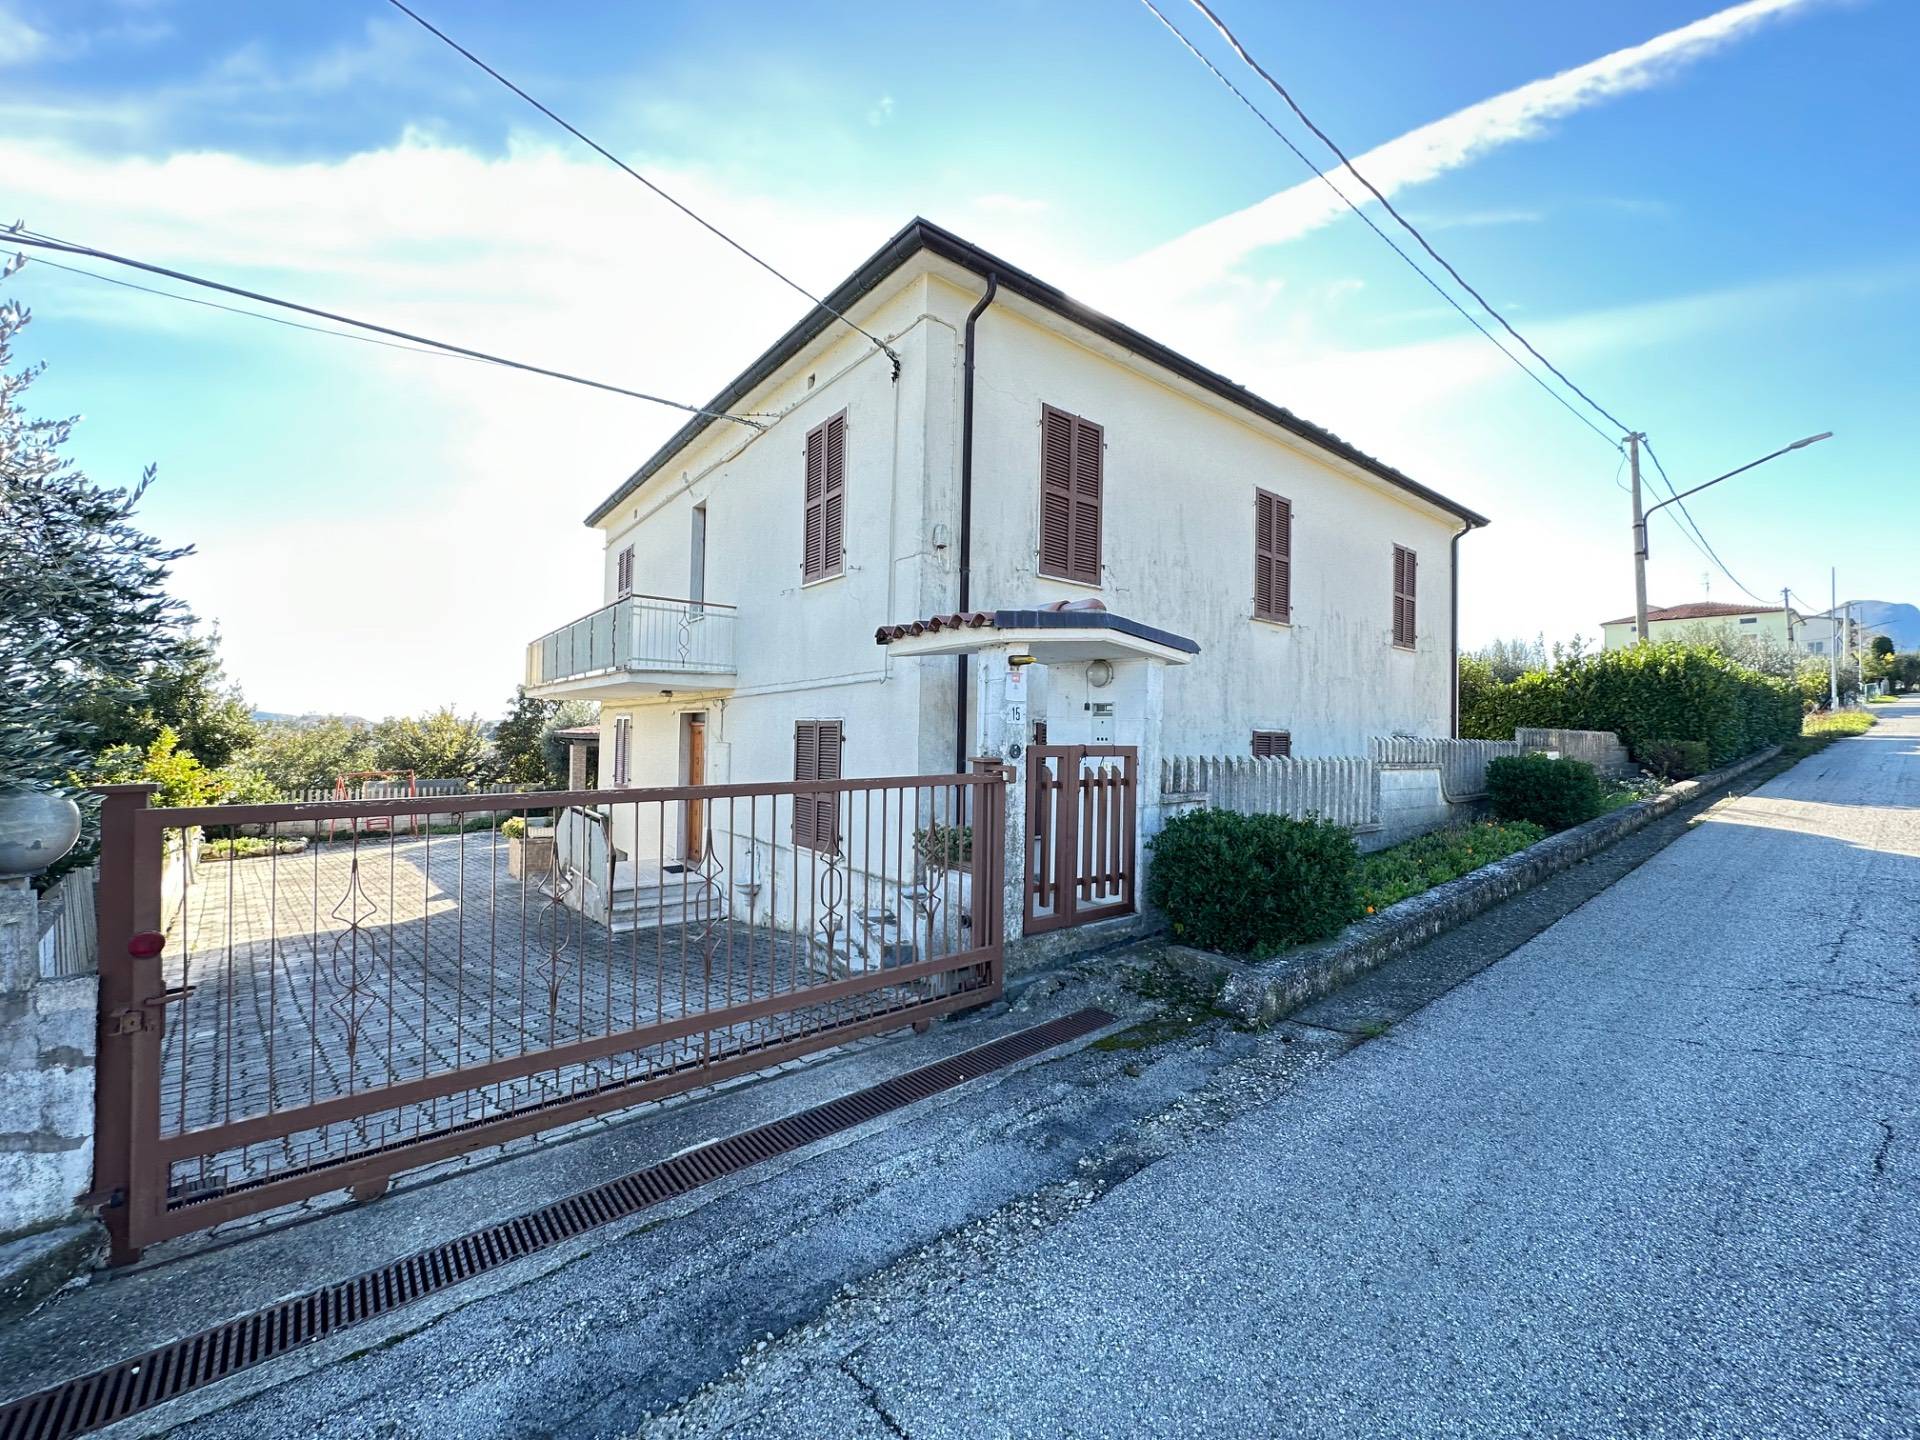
(637, 633)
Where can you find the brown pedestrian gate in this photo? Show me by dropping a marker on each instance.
(284, 1015)
(1082, 851)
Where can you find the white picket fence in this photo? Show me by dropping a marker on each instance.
(395, 789)
(1341, 788)
(69, 934)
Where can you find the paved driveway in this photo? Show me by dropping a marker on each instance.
(1653, 1174)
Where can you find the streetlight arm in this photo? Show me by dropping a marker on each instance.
(1796, 445)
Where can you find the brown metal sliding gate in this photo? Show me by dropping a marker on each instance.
(1081, 821)
(286, 1014)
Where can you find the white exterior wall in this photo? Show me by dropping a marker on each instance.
(1768, 626)
(1180, 472)
(1181, 468)
(803, 651)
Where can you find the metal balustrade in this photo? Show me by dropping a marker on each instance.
(637, 633)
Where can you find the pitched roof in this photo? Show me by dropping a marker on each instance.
(920, 235)
(1698, 610)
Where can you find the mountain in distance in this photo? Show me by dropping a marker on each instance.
(1899, 623)
(280, 717)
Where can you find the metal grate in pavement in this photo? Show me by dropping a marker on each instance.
(117, 1391)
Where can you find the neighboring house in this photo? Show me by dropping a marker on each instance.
(747, 571)
(1773, 624)
(1836, 630)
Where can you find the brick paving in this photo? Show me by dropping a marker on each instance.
(350, 967)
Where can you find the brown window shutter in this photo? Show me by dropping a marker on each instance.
(825, 499)
(1272, 742)
(1056, 492)
(1088, 460)
(1272, 556)
(623, 571)
(806, 766)
(1405, 575)
(816, 756)
(622, 738)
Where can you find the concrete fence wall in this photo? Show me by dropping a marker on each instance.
(1462, 763)
(1404, 786)
(1599, 748)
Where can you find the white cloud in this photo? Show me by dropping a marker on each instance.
(20, 43)
(1450, 143)
(881, 111)
(538, 254)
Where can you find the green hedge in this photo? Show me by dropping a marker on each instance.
(1548, 792)
(1252, 884)
(1673, 759)
(1643, 693)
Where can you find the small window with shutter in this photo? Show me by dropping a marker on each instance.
(1272, 557)
(1405, 566)
(622, 746)
(1071, 492)
(826, 503)
(623, 572)
(816, 756)
(1272, 742)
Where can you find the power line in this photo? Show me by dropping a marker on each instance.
(684, 209)
(45, 242)
(1405, 224)
(1368, 220)
(251, 314)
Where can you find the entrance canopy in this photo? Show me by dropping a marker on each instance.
(1058, 634)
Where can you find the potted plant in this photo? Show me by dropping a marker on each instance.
(529, 848)
(37, 828)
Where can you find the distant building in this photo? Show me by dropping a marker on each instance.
(1774, 624)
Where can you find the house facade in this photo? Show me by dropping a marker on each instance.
(749, 567)
(1771, 624)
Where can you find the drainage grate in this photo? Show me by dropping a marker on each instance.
(117, 1391)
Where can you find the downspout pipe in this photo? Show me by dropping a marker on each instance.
(966, 515)
(1453, 625)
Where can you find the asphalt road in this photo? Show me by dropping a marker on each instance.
(1653, 1174)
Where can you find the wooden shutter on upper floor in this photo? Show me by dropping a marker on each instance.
(817, 748)
(1272, 556)
(623, 571)
(1272, 742)
(1072, 486)
(825, 502)
(1405, 583)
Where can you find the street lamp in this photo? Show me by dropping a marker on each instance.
(1640, 516)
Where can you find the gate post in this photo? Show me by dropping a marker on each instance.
(127, 1080)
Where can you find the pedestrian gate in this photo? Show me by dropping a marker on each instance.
(1082, 851)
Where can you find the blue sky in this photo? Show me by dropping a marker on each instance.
(1710, 226)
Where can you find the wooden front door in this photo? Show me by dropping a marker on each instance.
(694, 849)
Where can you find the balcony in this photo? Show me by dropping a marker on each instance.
(636, 647)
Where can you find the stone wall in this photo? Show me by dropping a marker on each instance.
(47, 1037)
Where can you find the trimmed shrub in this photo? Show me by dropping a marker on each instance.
(514, 828)
(1252, 884)
(1645, 693)
(1674, 759)
(1553, 793)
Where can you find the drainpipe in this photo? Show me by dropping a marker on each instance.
(966, 516)
(1453, 625)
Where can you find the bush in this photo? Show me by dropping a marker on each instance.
(1674, 759)
(1645, 693)
(944, 847)
(1553, 793)
(1252, 884)
(514, 829)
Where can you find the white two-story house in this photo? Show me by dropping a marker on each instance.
(748, 566)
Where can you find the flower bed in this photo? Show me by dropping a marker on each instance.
(1394, 874)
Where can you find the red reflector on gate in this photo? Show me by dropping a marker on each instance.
(146, 945)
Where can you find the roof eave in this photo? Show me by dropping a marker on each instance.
(921, 234)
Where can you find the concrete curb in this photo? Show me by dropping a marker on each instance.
(1263, 991)
(34, 1266)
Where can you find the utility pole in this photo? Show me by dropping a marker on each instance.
(1639, 545)
(1786, 613)
(1833, 647)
